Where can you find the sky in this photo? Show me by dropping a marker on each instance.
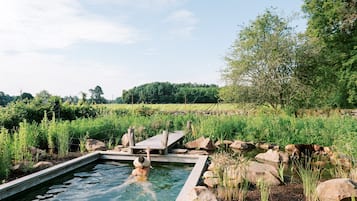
(70, 46)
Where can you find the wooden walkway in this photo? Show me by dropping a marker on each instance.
(155, 143)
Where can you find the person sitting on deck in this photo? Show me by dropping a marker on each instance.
(142, 166)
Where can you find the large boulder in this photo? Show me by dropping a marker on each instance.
(201, 143)
(353, 174)
(212, 166)
(179, 151)
(233, 174)
(304, 150)
(337, 190)
(223, 143)
(125, 140)
(197, 152)
(258, 171)
(95, 145)
(118, 148)
(241, 145)
(200, 193)
(39, 154)
(274, 156)
(266, 146)
(341, 160)
(23, 167)
(211, 182)
(42, 165)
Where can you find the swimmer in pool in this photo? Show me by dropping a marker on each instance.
(142, 166)
(139, 176)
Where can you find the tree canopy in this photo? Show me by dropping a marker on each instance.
(165, 92)
(270, 63)
(96, 95)
(262, 62)
(332, 28)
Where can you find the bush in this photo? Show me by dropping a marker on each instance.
(33, 111)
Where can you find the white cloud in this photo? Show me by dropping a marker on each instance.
(42, 24)
(183, 23)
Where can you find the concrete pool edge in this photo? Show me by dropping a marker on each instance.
(24, 183)
(192, 180)
(21, 184)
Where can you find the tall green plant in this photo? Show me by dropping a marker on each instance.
(264, 189)
(22, 140)
(51, 133)
(310, 176)
(5, 154)
(231, 177)
(63, 138)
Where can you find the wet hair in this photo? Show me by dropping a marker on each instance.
(141, 159)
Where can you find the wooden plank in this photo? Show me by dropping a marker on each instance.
(155, 142)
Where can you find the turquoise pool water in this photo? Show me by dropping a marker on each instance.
(108, 180)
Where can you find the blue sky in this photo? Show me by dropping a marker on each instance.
(69, 46)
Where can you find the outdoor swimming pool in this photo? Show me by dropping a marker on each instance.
(108, 180)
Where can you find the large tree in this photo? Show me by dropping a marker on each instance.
(332, 28)
(96, 95)
(5, 99)
(260, 67)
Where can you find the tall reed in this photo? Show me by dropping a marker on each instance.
(63, 138)
(264, 189)
(231, 177)
(310, 176)
(82, 143)
(51, 133)
(281, 170)
(5, 154)
(22, 140)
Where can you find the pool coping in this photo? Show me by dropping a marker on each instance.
(24, 183)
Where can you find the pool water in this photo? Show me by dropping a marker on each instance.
(109, 180)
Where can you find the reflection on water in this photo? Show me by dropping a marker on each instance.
(110, 181)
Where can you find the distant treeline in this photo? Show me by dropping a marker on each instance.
(156, 92)
(165, 92)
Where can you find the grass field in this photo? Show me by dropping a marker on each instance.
(178, 107)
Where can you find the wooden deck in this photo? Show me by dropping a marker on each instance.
(155, 143)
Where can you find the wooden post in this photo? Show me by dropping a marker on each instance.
(189, 126)
(131, 139)
(169, 125)
(164, 141)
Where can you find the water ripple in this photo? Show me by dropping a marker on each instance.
(109, 181)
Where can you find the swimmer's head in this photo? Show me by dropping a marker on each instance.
(141, 159)
(141, 162)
